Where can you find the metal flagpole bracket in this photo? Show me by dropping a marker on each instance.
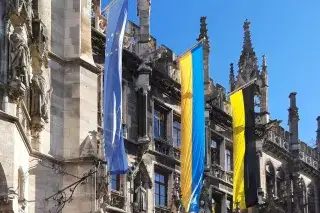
(253, 81)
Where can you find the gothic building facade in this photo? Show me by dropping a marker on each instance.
(51, 151)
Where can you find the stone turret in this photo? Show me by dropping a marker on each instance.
(142, 82)
(144, 7)
(231, 78)
(293, 121)
(206, 50)
(264, 109)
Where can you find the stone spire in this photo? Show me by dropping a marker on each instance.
(248, 65)
(293, 121)
(203, 29)
(318, 133)
(231, 78)
(264, 108)
(206, 47)
(247, 44)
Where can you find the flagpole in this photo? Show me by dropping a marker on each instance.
(194, 46)
(243, 86)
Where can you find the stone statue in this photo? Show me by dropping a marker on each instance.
(40, 97)
(20, 57)
(141, 198)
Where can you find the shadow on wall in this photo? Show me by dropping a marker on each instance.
(5, 204)
(46, 182)
(3, 184)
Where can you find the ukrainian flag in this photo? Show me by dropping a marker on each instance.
(245, 175)
(192, 126)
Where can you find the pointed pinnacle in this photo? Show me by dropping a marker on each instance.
(264, 61)
(231, 69)
(247, 45)
(203, 29)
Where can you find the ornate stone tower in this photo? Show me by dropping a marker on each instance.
(248, 64)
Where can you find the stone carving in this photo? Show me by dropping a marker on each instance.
(40, 98)
(141, 201)
(39, 50)
(19, 77)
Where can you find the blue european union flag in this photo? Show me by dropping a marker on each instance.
(112, 109)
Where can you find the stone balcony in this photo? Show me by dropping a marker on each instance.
(164, 147)
(219, 173)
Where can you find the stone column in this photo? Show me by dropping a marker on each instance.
(224, 203)
(142, 87)
(293, 121)
(223, 154)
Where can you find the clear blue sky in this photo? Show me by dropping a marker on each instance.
(286, 31)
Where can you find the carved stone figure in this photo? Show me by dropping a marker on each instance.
(19, 57)
(40, 97)
(141, 198)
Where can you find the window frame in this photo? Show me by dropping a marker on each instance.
(228, 155)
(159, 116)
(158, 183)
(176, 141)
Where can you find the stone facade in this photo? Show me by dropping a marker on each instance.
(51, 156)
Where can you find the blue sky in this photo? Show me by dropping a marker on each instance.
(286, 31)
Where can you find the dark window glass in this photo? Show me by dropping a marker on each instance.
(160, 195)
(215, 152)
(176, 134)
(115, 182)
(159, 124)
(228, 160)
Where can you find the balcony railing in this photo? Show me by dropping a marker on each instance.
(176, 153)
(229, 177)
(162, 146)
(217, 172)
(165, 147)
(117, 200)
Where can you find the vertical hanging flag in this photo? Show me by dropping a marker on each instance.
(244, 149)
(112, 108)
(192, 126)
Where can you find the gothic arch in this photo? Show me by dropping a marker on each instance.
(270, 178)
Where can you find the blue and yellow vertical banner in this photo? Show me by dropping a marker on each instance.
(192, 126)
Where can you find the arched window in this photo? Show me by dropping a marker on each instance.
(270, 179)
(280, 183)
(20, 185)
(311, 199)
